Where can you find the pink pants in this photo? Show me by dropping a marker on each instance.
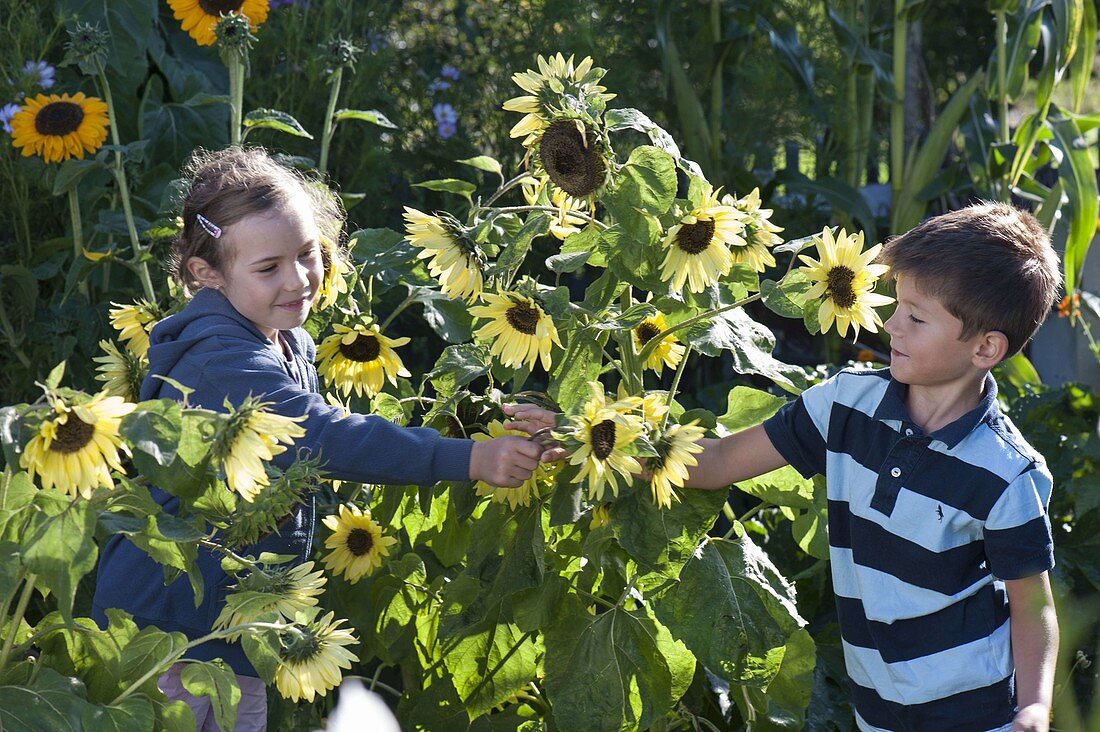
(251, 711)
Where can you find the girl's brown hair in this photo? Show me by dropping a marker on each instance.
(231, 184)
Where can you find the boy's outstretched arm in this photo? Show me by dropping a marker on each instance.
(736, 457)
(1034, 650)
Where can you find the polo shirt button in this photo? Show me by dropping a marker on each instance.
(908, 432)
(895, 472)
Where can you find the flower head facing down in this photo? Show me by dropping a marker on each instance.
(360, 359)
(760, 233)
(602, 434)
(200, 17)
(283, 590)
(77, 446)
(357, 543)
(676, 450)
(337, 269)
(311, 655)
(455, 261)
(540, 191)
(668, 351)
(251, 436)
(571, 156)
(121, 371)
(844, 276)
(559, 85)
(698, 247)
(521, 331)
(57, 128)
(134, 323)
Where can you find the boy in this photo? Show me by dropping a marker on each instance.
(939, 540)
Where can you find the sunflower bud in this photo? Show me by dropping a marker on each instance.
(340, 53)
(87, 48)
(234, 35)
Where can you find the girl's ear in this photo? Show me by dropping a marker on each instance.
(203, 273)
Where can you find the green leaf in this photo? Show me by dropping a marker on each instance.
(17, 491)
(565, 503)
(381, 250)
(490, 665)
(1080, 67)
(733, 610)
(449, 185)
(364, 115)
(450, 319)
(1019, 371)
(750, 344)
(1078, 176)
(72, 172)
(810, 528)
(747, 407)
(622, 119)
(782, 706)
(154, 428)
(483, 162)
(458, 366)
(840, 195)
(782, 487)
(49, 703)
(385, 614)
(563, 263)
(273, 119)
(646, 183)
(132, 713)
(585, 240)
(609, 672)
(61, 550)
(581, 363)
(216, 680)
(517, 247)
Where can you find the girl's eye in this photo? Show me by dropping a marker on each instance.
(268, 269)
(915, 320)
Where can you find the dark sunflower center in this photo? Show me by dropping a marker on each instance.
(646, 332)
(694, 238)
(359, 542)
(839, 286)
(365, 348)
(572, 162)
(220, 7)
(73, 435)
(58, 119)
(300, 648)
(603, 438)
(524, 317)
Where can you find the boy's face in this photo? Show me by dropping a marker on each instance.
(925, 349)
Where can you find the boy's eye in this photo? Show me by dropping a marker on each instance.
(915, 319)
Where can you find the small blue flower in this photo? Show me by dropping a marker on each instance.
(40, 72)
(439, 85)
(444, 113)
(6, 113)
(450, 72)
(447, 129)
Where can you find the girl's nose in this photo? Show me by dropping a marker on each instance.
(299, 277)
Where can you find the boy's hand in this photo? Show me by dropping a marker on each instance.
(504, 462)
(532, 420)
(1032, 718)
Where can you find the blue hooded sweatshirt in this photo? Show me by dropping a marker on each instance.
(219, 353)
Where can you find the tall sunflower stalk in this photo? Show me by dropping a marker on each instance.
(234, 38)
(340, 53)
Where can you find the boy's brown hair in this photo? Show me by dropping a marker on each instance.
(990, 265)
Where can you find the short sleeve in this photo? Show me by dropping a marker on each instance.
(1018, 541)
(799, 431)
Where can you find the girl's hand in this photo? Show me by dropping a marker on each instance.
(536, 422)
(504, 462)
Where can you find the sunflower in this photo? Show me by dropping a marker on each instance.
(760, 234)
(251, 436)
(360, 358)
(602, 432)
(200, 17)
(676, 450)
(668, 351)
(565, 221)
(601, 516)
(311, 656)
(846, 278)
(75, 448)
(456, 262)
(57, 128)
(522, 331)
(336, 272)
(542, 478)
(120, 371)
(699, 245)
(357, 543)
(283, 590)
(571, 155)
(134, 322)
(557, 85)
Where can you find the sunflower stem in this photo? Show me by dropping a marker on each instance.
(236, 97)
(15, 587)
(631, 361)
(655, 340)
(330, 123)
(1002, 95)
(675, 385)
(78, 234)
(504, 188)
(251, 564)
(20, 608)
(626, 591)
(177, 654)
(397, 311)
(526, 636)
(140, 265)
(595, 598)
(546, 209)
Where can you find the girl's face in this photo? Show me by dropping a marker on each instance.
(273, 269)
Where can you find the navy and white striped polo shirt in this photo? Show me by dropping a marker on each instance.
(923, 529)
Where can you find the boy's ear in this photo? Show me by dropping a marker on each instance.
(203, 273)
(992, 349)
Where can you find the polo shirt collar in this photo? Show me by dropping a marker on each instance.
(892, 407)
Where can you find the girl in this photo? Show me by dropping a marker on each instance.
(251, 254)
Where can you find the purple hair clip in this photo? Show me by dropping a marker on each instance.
(211, 228)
